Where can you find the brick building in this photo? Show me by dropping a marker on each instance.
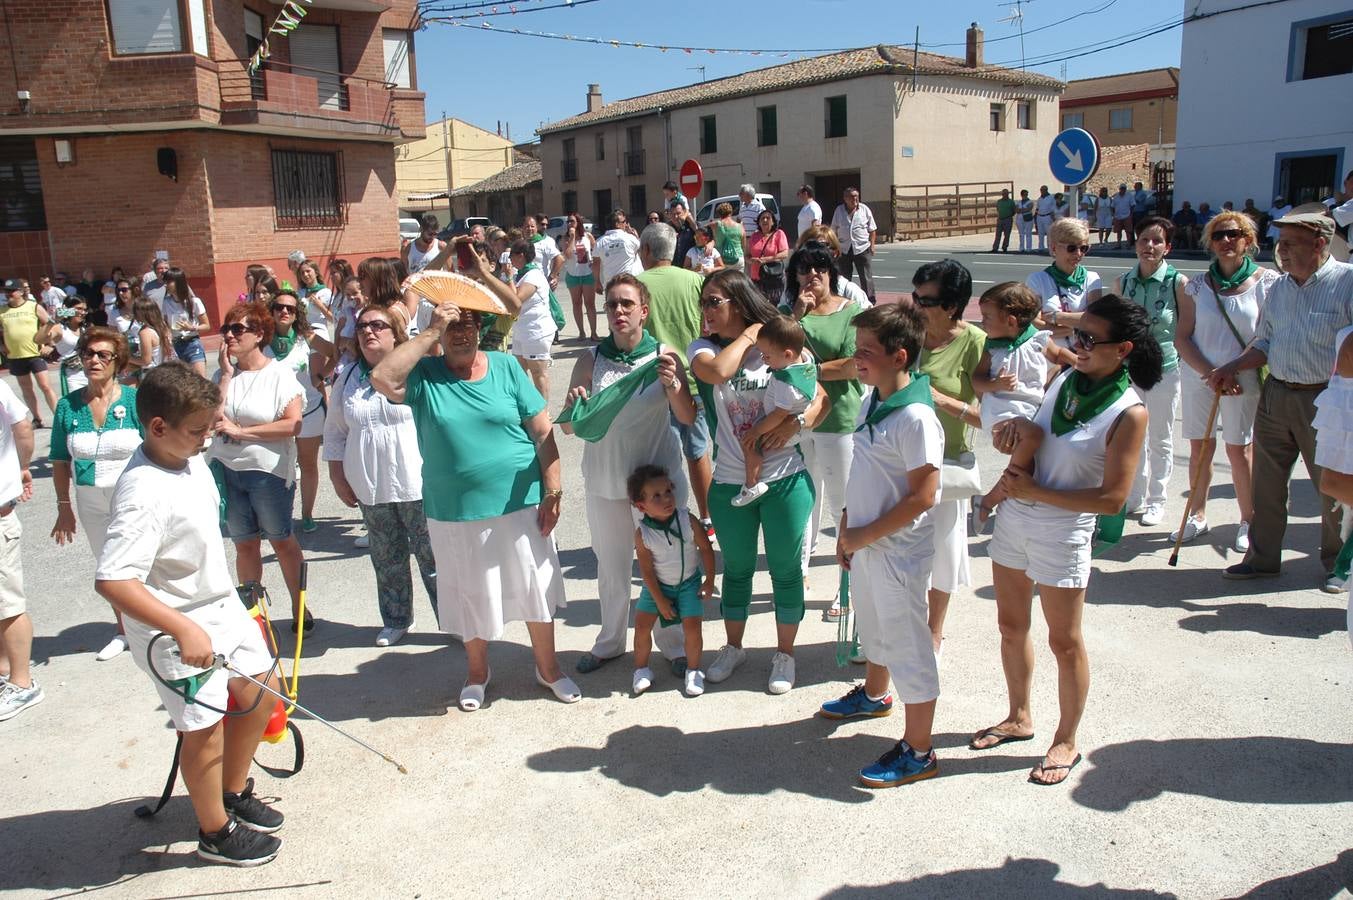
(131, 127)
(1127, 109)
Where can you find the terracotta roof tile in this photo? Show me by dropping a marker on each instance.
(513, 178)
(1084, 89)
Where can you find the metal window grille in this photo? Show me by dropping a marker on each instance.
(307, 189)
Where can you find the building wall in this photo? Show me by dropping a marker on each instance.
(1153, 121)
(475, 155)
(606, 174)
(1225, 156)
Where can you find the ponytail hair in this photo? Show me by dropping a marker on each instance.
(1128, 321)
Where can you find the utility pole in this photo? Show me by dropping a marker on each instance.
(446, 153)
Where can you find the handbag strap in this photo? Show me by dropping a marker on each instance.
(1221, 308)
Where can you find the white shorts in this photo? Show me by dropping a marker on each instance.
(1053, 556)
(533, 348)
(13, 601)
(312, 423)
(950, 569)
(891, 613)
(1235, 415)
(233, 633)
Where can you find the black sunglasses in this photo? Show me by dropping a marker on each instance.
(1227, 234)
(1084, 340)
(284, 307)
(927, 301)
(102, 356)
(236, 329)
(373, 325)
(1083, 248)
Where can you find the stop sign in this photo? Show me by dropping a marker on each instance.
(692, 178)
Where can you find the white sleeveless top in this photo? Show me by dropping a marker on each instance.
(1075, 460)
(642, 433)
(1212, 336)
(419, 259)
(1029, 364)
(578, 258)
(674, 558)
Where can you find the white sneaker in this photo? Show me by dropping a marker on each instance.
(729, 658)
(14, 699)
(390, 636)
(1333, 585)
(781, 673)
(1193, 528)
(362, 541)
(750, 493)
(695, 682)
(643, 680)
(1242, 544)
(112, 648)
(857, 655)
(1153, 514)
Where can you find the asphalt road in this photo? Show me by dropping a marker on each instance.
(1216, 741)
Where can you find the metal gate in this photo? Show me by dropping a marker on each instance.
(941, 210)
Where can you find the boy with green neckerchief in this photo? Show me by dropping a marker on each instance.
(793, 385)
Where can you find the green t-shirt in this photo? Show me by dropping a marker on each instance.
(1005, 208)
(728, 241)
(832, 337)
(673, 306)
(1156, 295)
(478, 460)
(950, 369)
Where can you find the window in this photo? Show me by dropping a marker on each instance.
(570, 199)
(1073, 120)
(767, 130)
(602, 201)
(20, 186)
(1120, 119)
(638, 203)
(1308, 176)
(253, 32)
(1024, 114)
(306, 189)
(569, 167)
(709, 135)
(634, 155)
(836, 117)
(601, 146)
(711, 189)
(146, 26)
(398, 59)
(1321, 48)
(997, 117)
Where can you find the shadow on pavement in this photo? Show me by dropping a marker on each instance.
(87, 637)
(1320, 883)
(1035, 878)
(1274, 770)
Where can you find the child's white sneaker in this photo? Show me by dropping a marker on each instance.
(749, 493)
(695, 682)
(781, 674)
(643, 680)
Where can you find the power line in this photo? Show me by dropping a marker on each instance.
(495, 9)
(1011, 37)
(638, 45)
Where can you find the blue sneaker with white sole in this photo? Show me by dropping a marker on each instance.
(899, 766)
(856, 704)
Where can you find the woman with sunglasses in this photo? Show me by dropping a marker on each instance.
(187, 318)
(640, 434)
(151, 337)
(95, 431)
(732, 376)
(254, 454)
(291, 346)
(1092, 425)
(1066, 286)
(1218, 313)
(823, 237)
(372, 450)
(64, 337)
(1157, 287)
(120, 316)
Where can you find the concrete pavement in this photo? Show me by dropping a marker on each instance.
(1217, 745)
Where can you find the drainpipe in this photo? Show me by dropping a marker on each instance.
(667, 145)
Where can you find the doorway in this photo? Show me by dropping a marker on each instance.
(829, 189)
(1308, 177)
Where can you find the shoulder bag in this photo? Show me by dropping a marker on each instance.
(1235, 332)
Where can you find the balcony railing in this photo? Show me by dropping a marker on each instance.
(634, 162)
(569, 170)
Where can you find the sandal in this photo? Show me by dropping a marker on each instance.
(1065, 768)
(590, 663)
(1002, 737)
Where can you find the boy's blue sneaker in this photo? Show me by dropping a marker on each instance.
(899, 766)
(856, 703)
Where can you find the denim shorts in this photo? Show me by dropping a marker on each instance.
(695, 437)
(190, 350)
(258, 504)
(686, 597)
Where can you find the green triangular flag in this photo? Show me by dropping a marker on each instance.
(592, 418)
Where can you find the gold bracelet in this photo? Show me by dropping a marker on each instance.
(557, 493)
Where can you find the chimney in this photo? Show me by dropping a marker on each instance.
(974, 56)
(593, 97)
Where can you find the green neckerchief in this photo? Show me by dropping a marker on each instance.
(537, 238)
(592, 417)
(282, 344)
(364, 367)
(1243, 274)
(802, 377)
(1012, 343)
(608, 348)
(918, 391)
(1075, 280)
(521, 273)
(1080, 401)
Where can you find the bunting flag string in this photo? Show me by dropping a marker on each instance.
(288, 20)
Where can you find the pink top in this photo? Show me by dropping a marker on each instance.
(759, 244)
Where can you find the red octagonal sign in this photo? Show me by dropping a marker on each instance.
(692, 178)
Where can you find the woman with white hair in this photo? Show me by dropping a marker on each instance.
(1066, 287)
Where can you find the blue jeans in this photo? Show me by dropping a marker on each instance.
(190, 350)
(257, 504)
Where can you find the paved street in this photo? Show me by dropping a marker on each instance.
(1217, 739)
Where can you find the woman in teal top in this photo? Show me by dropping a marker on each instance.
(490, 491)
(1155, 285)
(95, 431)
(729, 237)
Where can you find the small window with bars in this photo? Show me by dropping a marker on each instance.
(307, 189)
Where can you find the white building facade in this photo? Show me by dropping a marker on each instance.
(1266, 102)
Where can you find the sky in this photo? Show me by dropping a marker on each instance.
(483, 77)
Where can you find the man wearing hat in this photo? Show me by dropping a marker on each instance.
(1304, 311)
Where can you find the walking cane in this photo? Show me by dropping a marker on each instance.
(1193, 488)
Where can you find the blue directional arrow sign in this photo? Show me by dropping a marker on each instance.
(1074, 157)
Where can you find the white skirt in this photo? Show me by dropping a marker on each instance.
(494, 571)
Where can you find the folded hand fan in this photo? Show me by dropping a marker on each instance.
(439, 287)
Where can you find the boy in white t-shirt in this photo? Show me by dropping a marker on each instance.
(666, 542)
(792, 387)
(887, 540)
(163, 566)
(1014, 370)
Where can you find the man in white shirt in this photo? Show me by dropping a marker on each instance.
(810, 213)
(18, 689)
(1121, 203)
(52, 297)
(549, 258)
(617, 251)
(749, 209)
(1045, 210)
(856, 230)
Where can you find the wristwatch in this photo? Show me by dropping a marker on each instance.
(799, 418)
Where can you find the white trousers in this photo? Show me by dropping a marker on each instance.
(1044, 223)
(612, 524)
(1026, 232)
(828, 459)
(891, 612)
(1157, 462)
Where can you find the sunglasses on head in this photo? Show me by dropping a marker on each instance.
(376, 326)
(1227, 234)
(236, 330)
(1084, 340)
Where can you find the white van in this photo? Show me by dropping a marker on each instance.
(706, 214)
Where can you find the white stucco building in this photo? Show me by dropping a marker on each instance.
(1265, 101)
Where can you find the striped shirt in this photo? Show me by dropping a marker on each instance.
(1299, 322)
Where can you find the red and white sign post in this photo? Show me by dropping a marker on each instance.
(692, 179)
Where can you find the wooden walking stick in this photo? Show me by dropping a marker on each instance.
(1193, 487)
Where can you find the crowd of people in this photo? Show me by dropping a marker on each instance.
(741, 403)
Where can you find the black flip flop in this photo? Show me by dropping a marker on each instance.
(1042, 768)
(1003, 738)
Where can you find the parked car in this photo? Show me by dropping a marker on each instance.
(409, 229)
(558, 224)
(706, 214)
(463, 226)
